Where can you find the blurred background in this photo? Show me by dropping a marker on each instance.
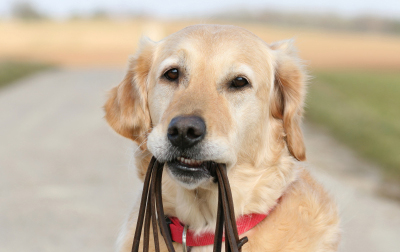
(67, 181)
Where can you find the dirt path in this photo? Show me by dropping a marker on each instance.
(370, 223)
(66, 180)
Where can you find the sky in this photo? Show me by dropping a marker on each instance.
(179, 8)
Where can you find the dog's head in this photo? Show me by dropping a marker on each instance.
(211, 93)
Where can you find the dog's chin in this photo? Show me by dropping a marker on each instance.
(190, 174)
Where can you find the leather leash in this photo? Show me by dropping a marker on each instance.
(151, 207)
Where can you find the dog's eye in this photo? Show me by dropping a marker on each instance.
(239, 82)
(172, 74)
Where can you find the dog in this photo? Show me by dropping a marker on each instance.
(218, 93)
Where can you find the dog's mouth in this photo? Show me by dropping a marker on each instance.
(190, 171)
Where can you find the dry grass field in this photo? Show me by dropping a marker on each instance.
(91, 43)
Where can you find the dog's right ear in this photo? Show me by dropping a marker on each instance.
(126, 109)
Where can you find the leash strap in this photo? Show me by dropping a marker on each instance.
(151, 206)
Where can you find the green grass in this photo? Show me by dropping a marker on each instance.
(361, 109)
(13, 70)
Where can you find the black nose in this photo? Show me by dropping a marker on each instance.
(186, 131)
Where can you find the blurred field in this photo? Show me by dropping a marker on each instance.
(89, 43)
(361, 109)
(11, 71)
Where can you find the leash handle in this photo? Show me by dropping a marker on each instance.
(151, 210)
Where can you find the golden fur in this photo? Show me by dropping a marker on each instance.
(255, 132)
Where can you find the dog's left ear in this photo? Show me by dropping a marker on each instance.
(288, 96)
(127, 109)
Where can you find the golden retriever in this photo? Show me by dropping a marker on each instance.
(219, 93)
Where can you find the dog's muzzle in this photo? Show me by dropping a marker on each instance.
(185, 133)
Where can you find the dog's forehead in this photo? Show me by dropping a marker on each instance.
(212, 41)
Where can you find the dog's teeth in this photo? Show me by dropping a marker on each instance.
(189, 161)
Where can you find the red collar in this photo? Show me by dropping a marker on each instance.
(244, 223)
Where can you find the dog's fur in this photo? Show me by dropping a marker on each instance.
(255, 131)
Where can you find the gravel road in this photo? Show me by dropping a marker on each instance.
(67, 180)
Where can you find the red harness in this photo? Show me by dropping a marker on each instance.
(244, 223)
